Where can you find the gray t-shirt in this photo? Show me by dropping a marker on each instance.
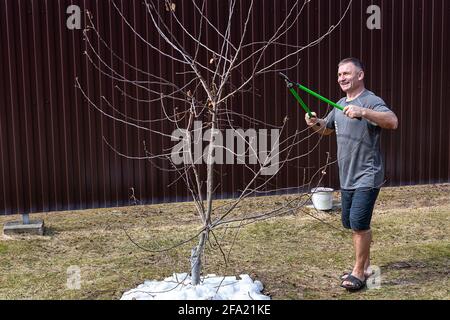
(358, 144)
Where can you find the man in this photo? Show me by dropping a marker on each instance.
(360, 163)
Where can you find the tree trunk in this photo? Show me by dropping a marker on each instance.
(196, 259)
(197, 252)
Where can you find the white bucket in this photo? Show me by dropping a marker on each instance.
(322, 198)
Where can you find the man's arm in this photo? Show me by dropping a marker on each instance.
(385, 120)
(318, 125)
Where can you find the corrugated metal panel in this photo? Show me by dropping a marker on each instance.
(51, 141)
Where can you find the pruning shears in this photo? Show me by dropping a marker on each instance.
(290, 85)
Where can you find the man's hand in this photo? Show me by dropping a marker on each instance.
(311, 121)
(385, 120)
(317, 124)
(353, 112)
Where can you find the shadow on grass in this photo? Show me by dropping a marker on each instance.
(416, 272)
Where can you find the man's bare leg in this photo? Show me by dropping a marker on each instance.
(367, 270)
(361, 242)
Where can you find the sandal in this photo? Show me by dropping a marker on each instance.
(366, 275)
(355, 283)
(345, 275)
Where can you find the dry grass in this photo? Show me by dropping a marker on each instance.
(295, 256)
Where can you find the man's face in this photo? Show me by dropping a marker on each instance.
(350, 77)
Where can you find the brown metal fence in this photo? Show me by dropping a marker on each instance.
(52, 152)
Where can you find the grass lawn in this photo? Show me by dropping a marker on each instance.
(295, 256)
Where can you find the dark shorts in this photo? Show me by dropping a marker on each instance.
(357, 208)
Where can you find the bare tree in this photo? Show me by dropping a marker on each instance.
(199, 97)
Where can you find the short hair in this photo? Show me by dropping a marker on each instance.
(355, 61)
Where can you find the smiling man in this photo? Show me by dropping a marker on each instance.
(361, 171)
